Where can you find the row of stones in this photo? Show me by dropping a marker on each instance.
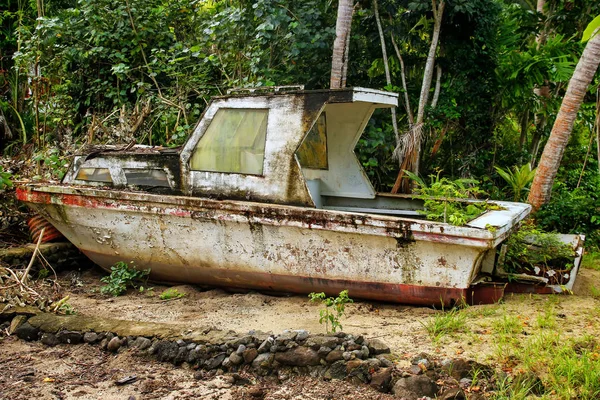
(339, 356)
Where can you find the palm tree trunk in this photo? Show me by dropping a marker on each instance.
(541, 189)
(339, 61)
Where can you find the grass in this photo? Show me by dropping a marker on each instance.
(568, 368)
(446, 323)
(507, 325)
(171, 294)
(591, 261)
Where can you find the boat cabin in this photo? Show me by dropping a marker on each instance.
(284, 146)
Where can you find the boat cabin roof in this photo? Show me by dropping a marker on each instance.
(282, 146)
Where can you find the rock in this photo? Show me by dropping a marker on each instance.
(365, 351)
(380, 380)
(452, 394)
(352, 365)
(337, 370)
(458, 369)
(263, 360)
(249, 355)
(353, 346)
(244, 340)
(17, 321)
(376, 346)
(291, 345)
(298, 357)
(191, 346)
(142, 343)
(236, 359)
(302, 335)
(69, 337)
(182, 354)
(415, 370)
(284, 337)
(90, 337)
(404, 394)
(334, 355)
(374, 363)
(358, 371)
(420, 385)
(347, 355)
(181, 343)
(266, 345)
(114, 344)
(27, 332)
(166, 350)
(240, 350)
(316, 342)
(215, 362)
(323, 351)
(465, 382)
(385, 361)
(256, 392)
(103, 343)
(357, 354)
(424, 363)
(49, 339)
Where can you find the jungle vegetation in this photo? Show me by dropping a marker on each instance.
(481, 83)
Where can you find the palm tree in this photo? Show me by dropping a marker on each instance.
(339, 62)
(541, 189)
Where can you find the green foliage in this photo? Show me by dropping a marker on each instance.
(591, 29)
(591, 260)
(171, 294)
(122, 276)
(573, 211)
(519, 178)
(5, 180)
(530, 246)
(53, 163)
(334, 308)
(441, 196)
(446, 323)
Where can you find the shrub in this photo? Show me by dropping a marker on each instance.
(573, 211)
(121, 277)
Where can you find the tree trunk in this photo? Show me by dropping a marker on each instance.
(438, 86)
(339, 62)
(411, 118)
(388, 78)
(411, 141)
(541, 189)
(543, 92)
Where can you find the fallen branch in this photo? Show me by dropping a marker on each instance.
(35, 251)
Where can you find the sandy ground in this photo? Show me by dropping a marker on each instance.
(401, 327)
(86, 372)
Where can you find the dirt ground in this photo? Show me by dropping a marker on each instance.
(35, 371)
(401, 327)
(32, 370)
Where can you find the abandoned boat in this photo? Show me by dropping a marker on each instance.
(268, 194)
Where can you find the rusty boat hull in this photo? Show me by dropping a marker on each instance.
(279, 247)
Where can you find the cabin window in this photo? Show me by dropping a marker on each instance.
(233, 142)
(94, 175)
(146, 177)
(313, 151)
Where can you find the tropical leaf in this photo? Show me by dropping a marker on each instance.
(591, 30)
